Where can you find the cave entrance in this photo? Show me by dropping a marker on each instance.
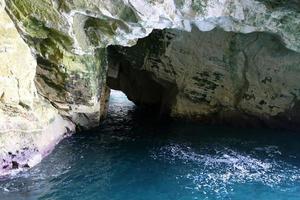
(143, 87)
(119, 107)
(124, 113)
(212, 77)
(119, 100)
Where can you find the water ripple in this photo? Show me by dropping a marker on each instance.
(218, 172)
(131, 157)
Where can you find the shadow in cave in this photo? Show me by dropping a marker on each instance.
(210, 77)
(146, 157)
(126, 119)
(152, 95)
(134, 127)
(124, 114)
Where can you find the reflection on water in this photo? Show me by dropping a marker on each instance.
(134, 156)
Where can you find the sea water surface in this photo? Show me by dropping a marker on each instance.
(131, 156)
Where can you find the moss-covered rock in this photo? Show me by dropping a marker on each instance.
(70, 80)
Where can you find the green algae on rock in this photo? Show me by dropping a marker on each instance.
(62, 46)
(29, 125)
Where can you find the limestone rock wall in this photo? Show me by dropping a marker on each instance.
(29, 125)
(213, 76)
(69, 38)
(54, 63)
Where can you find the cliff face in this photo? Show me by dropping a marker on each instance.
(54, 63)
(29, 125)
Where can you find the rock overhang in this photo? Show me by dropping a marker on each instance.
(68, 39)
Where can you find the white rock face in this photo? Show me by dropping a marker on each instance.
(67, 60)
(29, 126)
(216, 76)
(242, 16)
(17, 68)
(69, 38)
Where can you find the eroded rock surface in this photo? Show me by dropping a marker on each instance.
(29, 125)
(54, 62)
(212, 76)
(69, 38)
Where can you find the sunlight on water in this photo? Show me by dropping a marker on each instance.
(219, 171)
(135, 157)
(118, 98)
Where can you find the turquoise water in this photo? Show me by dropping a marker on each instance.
(133, 157)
